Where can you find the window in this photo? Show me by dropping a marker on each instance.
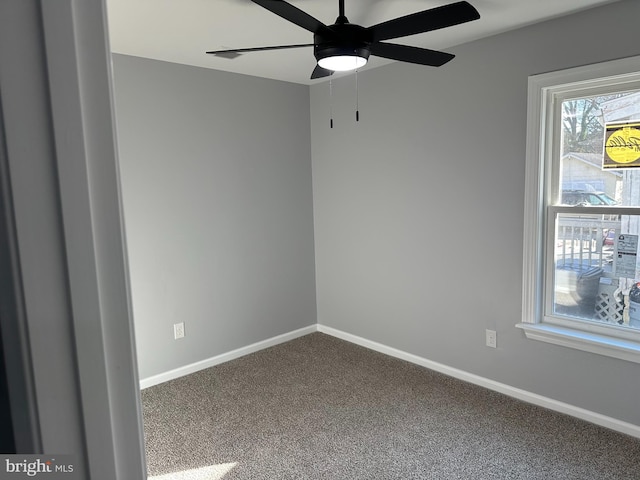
(581, 285)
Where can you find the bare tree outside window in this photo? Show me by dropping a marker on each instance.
(583, 123)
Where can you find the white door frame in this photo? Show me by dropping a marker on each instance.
(71, 325)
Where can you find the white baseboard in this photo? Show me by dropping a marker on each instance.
(526, 396)
(529, 397)
(225, 357)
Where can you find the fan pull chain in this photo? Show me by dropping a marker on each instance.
(330, 104)
(357, 107)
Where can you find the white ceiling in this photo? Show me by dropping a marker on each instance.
(180, 31)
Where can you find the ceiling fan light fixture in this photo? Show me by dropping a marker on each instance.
(340, 58)
(342, 63)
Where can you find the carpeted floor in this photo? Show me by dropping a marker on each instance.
(321, 408)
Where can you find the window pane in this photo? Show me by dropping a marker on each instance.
(595, 266)
(586, 123)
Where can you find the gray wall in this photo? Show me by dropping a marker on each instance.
(418, 208)
(216, 180)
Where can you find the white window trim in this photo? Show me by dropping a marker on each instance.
(542, 89)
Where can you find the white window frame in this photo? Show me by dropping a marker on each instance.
(546, 93)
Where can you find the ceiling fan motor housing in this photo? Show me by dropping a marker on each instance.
(346, 39)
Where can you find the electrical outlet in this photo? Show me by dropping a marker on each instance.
(492, 338)
(178, 330)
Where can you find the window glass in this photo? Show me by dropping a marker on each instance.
(583, 180)
(596, 275)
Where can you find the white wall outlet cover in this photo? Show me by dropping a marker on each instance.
(178, 330)
(491, 338)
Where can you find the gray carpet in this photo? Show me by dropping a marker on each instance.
(321, 408)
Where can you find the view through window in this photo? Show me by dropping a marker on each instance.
(593, 225)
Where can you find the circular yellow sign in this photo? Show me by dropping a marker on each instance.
(623, 145)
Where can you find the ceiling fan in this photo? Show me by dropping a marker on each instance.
(346, 46)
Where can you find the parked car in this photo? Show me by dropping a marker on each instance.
(586, 198)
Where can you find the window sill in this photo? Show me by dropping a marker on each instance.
(586, 341)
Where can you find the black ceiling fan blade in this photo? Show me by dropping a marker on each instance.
(406, 53)
(425, 21)
(294, 15)
(320, 72)
(259, 49)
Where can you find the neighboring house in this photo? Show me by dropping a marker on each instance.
(583, 171)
